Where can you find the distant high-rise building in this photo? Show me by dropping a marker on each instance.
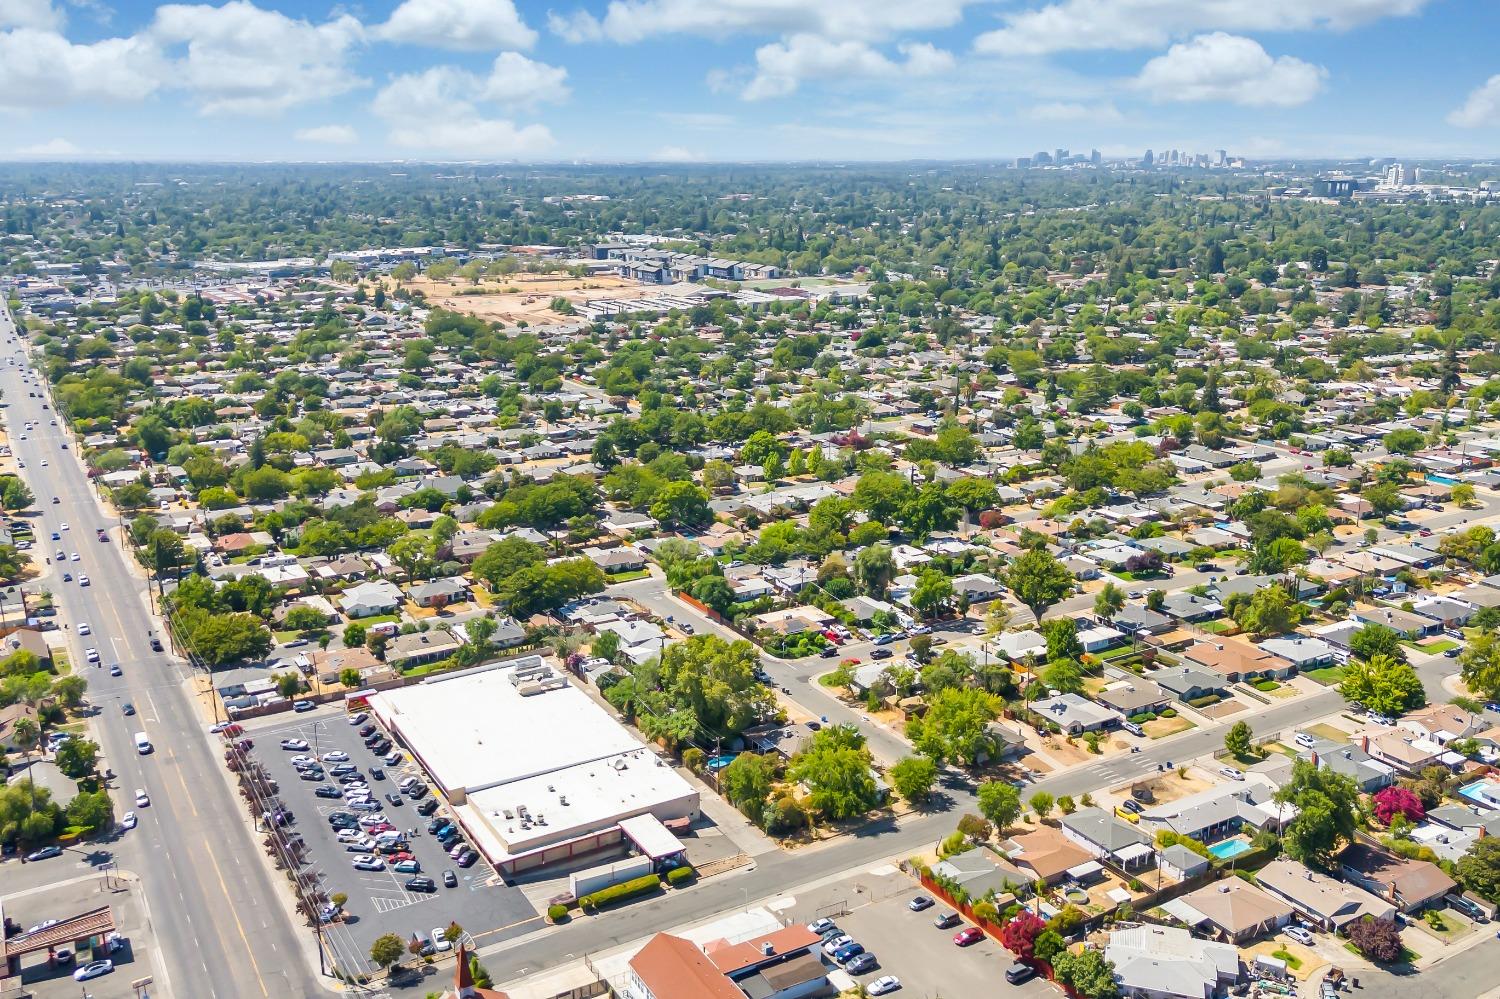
(1060, 154)
(1221, 157)
(1023, 162)
(1148, 159)
(1094, 157)
(1042, 158)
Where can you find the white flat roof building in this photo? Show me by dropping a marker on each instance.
(535, 769)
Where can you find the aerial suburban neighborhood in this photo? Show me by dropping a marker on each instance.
(1068, 575)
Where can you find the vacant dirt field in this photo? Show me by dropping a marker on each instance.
(524, 296)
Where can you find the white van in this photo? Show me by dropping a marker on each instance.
(142, 744)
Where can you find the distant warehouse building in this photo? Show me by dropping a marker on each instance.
(536, 771)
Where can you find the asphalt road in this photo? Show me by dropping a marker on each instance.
(215, 909)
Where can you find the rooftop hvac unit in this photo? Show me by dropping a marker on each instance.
(619, 764)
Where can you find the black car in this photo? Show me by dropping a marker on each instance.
(327, 791)
(450, 879)
(340, 817)
(416, 791)
(381, 748)
(371, 740)
(366, 730)
(427, 807)
(377, 774)
(437, 825)
(394, 798)
(881, 653)
(1132, 806)
(128, 708)
(310, 774)
(354, 778)
(426, 885)
(156, 645)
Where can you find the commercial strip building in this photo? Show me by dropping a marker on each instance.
(536, 772)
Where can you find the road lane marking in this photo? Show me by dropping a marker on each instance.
(249, 950)
(177, 771)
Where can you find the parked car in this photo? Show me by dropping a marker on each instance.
(1232, 773)
(884, 985)
(450, 880)
(968, 935)
(368, 862)
(440, 939)
(861, 964)
(424, 885)
(407, 867)
(821, 926)
(944, 920)
(1300, 935)
(327, 791)
(919, 903)
(848, 952)
(830, 947)
(467, 858)
(303, 705)
(93, 970)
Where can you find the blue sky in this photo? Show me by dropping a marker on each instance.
(710, 80)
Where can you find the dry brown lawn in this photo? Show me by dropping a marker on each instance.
(525, 296)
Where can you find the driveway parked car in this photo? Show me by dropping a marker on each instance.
(968, 935)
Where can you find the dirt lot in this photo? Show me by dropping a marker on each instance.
(525, 296)
(1170, 787)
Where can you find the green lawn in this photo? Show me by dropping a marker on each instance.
(1328, 676)
(1433, 648)
(1292, 961)
(1408, 956)
(1217, 627)
(625, 577)
(380, 619)
(1122, 652)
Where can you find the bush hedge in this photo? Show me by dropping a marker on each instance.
(1204, 701)
(1168, 712)
(647, 884)
(1143, 718)
(1266, 686)
(678, 875)
(557, 913)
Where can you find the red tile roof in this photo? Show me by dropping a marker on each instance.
(674, 968)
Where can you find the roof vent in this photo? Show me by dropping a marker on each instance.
(767, 948)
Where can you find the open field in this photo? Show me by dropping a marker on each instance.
(525, 297)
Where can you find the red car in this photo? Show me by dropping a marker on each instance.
(379, 827)
(968, 935)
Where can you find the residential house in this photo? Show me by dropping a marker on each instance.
(1405, 623)
(420, 648)
(9, 715)
(982, 871)
(1368, 773)
(1107, 838)
(1187, 684)
(1237, 661)
(1319, 899)
(1189, 607)
(1409, 885)
(1442, 723)
(1408, 754)
(1075, 714)
(440, 592)
(28, 640)
(1207, 816)
(370, 599)
(1236, 910)
(1018, 645)
(1044, 855)
(1137, 619)
(626, 558)
(1302, 652)
(669, 967)
(1180, 863)
(1165, 962)
(976, 587)
(1133, 696)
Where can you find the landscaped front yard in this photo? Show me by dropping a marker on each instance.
(1163, 727)
(1328, 676)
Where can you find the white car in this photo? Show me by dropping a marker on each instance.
(142, 799)
(296, 744)
(350, 836)
(367, 862)
(92, 655)
(63, 526)
(84, 629)
(302, 760)
(440, 941)
(44, 462)
(127, 821)
(336, 756)
(73, 557)
(883, 985)
(1300, 935)
(1232, 773)
(1304, 740)
(373, 819)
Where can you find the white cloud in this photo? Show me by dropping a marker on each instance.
(51, 148)
(464, 25)
(42, 69)
(1130, 24)
(38, 14)
(1074, 111)
(241, 58)
(780, 67)
(329, 135)
(675, 154)
(1221, 67)
(437, 110)
(515, 79)
(1482, 107)
(867, 20)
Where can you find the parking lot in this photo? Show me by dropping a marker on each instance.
(378, 900)
(908, 945)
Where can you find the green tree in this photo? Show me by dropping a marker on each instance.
(91, 810)
(69, 690)
(1383, 684)
(76, 757)
(1109, 601)
(1089, 974)
(873, 569)
(914, 776)
(682, 504)
(1376, 640)
(387, 950)
(956, 725)
(506, 557)
(1000, 803)
(1327, 809)
(354, 635)
(1237, 741)
(747, 782)
(1038, 581)
(932, 593)
(835, 768)
(1041, 803)
(1479, 869)
(1479, 665)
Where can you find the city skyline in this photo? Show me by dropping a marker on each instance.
(672, 81)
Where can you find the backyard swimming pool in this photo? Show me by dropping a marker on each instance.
(1229, 848)
(1485, 791)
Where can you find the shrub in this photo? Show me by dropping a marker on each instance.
(648, 884)
(1204, 701)
(1145, 716)
(693, 758)
(1266, 686)
(1169, 712)
(679, 875)
(557, 913)
(1377, 939)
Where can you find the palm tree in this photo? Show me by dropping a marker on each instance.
(1109, 602)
